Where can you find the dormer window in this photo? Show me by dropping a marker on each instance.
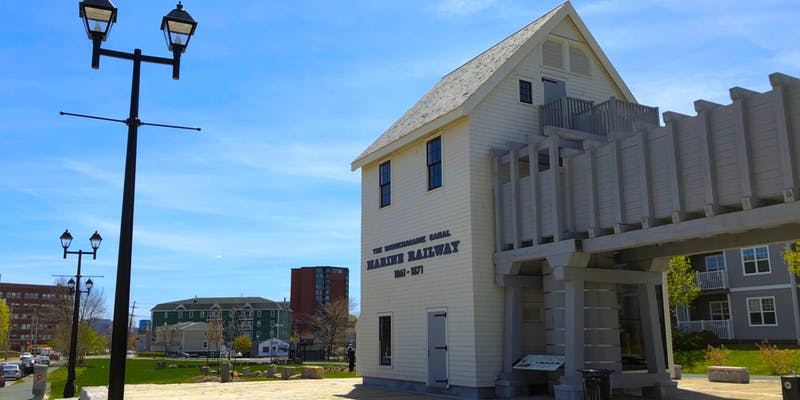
(552, 54)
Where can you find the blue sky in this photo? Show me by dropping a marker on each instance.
(287, 94)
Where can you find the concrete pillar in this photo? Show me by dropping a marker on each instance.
(570, 385)
(651, 332)
(510, 383)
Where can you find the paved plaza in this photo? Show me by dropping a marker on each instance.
(692, 388)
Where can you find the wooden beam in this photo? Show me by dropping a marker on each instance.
(783, 125)
(644, 179)
(513, 166)
(675, 181)
(591, 191)
(617, 187)
(535, 210)
(499, 229)
(558, 206)
(602, 275)
(707, 158)
(743, 150)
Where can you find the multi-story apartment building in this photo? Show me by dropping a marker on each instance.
(313, 288)
(33, 312)
(746, 294)
(255, 317)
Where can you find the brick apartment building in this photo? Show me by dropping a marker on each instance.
(314, 287)
(33, 313)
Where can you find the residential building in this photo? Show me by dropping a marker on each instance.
(516, 219)
(34, 312)
(255, 317)
(745, 294)
(312, 289)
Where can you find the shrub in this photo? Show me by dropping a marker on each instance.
(717, 356)
(688, 341)
(779, 361)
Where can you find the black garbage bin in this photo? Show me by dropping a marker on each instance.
(790, 387)
(596, 383)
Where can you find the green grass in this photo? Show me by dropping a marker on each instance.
(742, 355)
(94, 372)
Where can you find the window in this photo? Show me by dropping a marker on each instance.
(552, 54)
(719, 310)
(435, 163)
(385, 339)
(525, 92)
(578, 62)
(715, 262)
(202, 314)
(385, 171)
(761, 311)
(180, 314)
(191, 314)
(755, 260)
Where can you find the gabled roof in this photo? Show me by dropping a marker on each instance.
(458, 92)
(225, 303)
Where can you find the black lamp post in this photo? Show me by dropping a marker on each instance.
(178, 27)
(75, 288)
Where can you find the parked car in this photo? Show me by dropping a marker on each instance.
(179, 354)
(44, 360)
(12, 371)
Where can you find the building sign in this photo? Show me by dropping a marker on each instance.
(426, 246)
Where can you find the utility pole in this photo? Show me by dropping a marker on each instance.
(130, 321)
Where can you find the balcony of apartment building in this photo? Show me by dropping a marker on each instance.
(612, 118)
(710, 311)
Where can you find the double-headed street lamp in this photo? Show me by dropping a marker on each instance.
(75, 287)
(178, 27)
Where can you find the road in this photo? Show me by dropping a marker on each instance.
(22, 390)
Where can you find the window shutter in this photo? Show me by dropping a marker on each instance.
(552, 55)
(578, 61)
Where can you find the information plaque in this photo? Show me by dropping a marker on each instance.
(540, 362)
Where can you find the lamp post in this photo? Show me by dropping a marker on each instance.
(178, 27)
(75, 287)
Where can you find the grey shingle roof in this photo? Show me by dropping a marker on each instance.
(225, 303)
(456, 87)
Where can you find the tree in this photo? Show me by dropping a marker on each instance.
(331, 322)
(167, 336)
(92, 307)
(681, 284)
(242, 344)
(214, 335)
(5, 316)
(791, 254)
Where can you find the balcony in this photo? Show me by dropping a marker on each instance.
(612, 118)
(722, 328)
(712, 280)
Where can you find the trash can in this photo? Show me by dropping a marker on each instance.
(596, 383)
(790, 387)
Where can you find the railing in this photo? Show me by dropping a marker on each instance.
(711, 280)
(722, 328)
(559, 112)
(609, 118)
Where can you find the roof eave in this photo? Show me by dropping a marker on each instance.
(420, 132)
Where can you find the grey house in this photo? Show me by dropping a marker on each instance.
(746, 294)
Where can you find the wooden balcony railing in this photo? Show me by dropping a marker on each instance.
(610, 118)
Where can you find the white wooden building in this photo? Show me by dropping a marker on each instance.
(526, 205)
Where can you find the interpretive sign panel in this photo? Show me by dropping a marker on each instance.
(540, 362)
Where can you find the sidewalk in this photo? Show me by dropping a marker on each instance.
(691, 388)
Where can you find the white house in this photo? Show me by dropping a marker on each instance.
(523, 209)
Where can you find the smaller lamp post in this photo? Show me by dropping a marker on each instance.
(75, 288)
